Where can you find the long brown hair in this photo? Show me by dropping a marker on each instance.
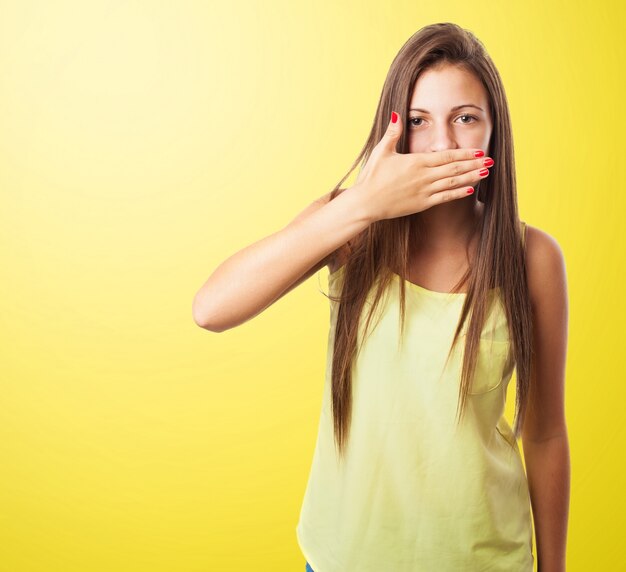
(385, 244)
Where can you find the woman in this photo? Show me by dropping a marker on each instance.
(437, 294)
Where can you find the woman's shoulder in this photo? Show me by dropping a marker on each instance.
(539, 242)
(545, 263)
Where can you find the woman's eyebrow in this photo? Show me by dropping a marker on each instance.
(453, 109)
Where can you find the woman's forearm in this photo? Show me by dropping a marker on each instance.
(251, 279)
(548, 470)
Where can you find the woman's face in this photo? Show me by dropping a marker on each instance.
(441, 114)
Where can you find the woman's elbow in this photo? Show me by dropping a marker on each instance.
(204, 318)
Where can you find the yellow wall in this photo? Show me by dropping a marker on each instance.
(141, 143)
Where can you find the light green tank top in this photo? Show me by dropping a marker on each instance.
(414, 492)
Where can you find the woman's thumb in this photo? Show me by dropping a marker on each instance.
(394, 130)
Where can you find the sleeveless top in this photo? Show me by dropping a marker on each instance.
(414, 492)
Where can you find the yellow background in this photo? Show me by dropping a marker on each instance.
(142, 143)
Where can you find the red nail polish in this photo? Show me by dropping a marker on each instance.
(488, 162)
(394, 117)
(479, 154)
(470, 191)
(483, 172)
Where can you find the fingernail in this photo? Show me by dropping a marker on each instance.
(394, 117)
(479, 154)
(470, 191)
(488, 162)
(483, 172)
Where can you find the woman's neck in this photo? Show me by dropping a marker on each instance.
(448, 227)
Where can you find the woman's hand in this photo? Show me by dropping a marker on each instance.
(395, 184)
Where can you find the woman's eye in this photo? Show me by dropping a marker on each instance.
(413, 120)
(471, 116)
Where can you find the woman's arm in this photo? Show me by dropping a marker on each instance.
(544, 433)
(255, 277)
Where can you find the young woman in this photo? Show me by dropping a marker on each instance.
(437, 294)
